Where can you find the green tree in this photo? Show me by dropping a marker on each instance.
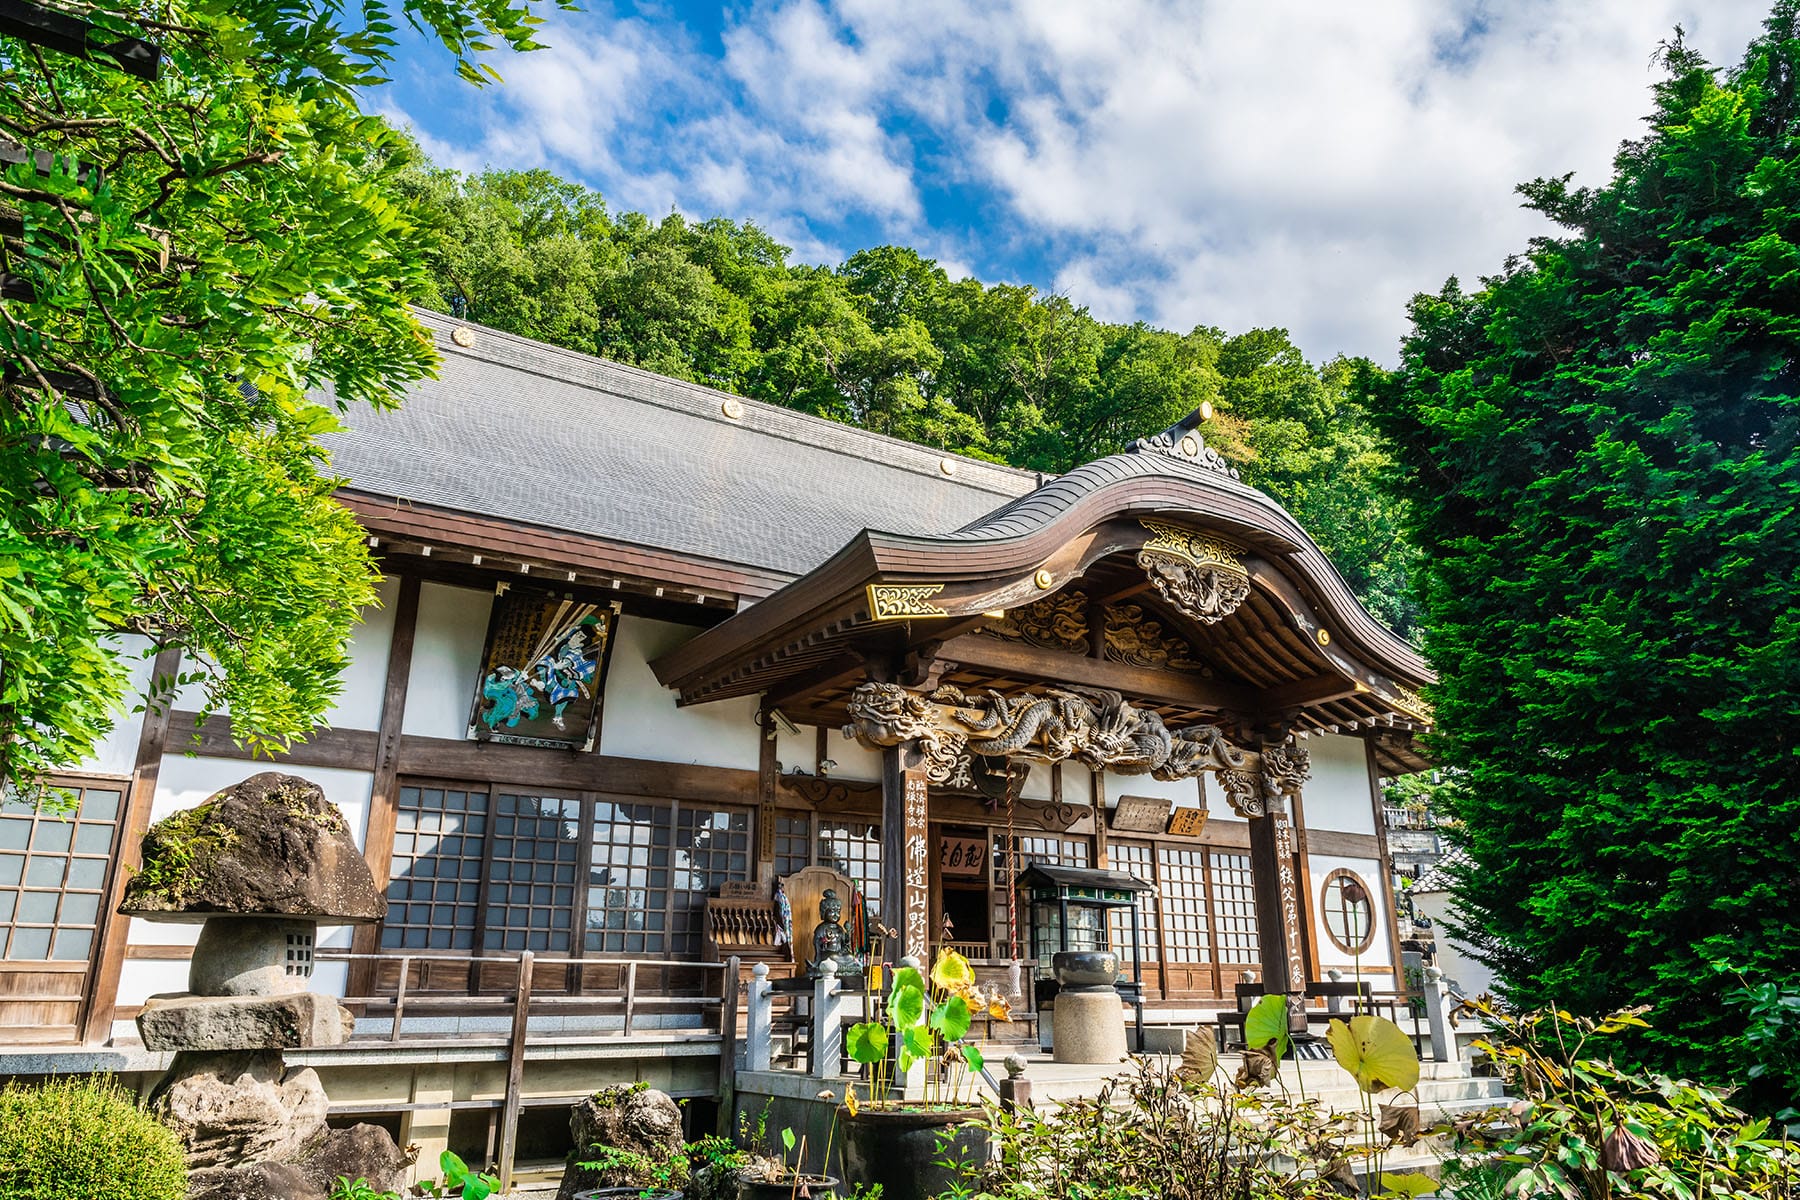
(186, 261)
(1599, 450)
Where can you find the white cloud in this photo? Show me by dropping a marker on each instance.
(1289, 163)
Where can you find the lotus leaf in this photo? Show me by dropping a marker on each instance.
(1376, 1051)
(1268, 1022)
(906, 1006)
(952, 972)
(952, 1018)
(1199, 1056)
(1409, 1183)
(868, 1042)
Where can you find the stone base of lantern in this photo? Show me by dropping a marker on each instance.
(1088, 1027)
(243, 1022)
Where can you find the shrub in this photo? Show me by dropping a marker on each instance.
(77, 1138)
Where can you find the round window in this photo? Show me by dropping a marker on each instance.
(1347, 909)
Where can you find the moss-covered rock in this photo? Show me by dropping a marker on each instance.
(272, 844)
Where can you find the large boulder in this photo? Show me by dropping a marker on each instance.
(269, 846)
(634, 1119)
(365, 1152)
(236, 1108)
(259, 1181)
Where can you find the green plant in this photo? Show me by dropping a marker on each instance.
(1771, 1026)
(473, 1184)
(714, 1163)
(347, 1188)
(632, 1168)
(80, 1138)
(926, 1020)
(1585, 1129)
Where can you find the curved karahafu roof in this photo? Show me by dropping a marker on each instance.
(1264, 628)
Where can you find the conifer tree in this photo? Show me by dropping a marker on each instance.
(1599, 450)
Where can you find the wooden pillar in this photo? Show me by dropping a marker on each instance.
(766, 767)
(109, 957)
(1277, 902)
(378, 839)
(905, 861)
(1309, 916)
(1387, 865)
(1101, 858)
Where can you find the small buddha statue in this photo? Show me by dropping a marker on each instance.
(830, 939)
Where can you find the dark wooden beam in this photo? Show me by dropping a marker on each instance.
(71, 35)
(455, 759)
(1138, 683)
(378, 838)
(103, 987)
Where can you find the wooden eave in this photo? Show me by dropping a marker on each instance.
(400, 526)
(811, 638)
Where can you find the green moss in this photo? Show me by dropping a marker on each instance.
(173, 850)
(77, 1138)
(607, 1097)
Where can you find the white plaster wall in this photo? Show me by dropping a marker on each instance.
(1037, 784)
(1337, 795)
(853, 759)
(446, 662)
(796, 749)
(1380, 951)
(116, 753)
(1471, 978)
(642, 720)
(1078, 785)
(358, 705)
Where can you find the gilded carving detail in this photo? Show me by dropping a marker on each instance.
(1135, 637)
(1200, 575)
(1056, 622)
(898, 601)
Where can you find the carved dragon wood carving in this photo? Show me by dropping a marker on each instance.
(1094, 727)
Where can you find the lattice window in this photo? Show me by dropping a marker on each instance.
(435, 872)
(53, 873)
(1183, 886)
(711, 846)
(793, 842)
(531, 881)
(628, 879)
(854, 847)
(1234, 908)
(1138, 861)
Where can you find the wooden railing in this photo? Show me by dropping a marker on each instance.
(714, 1003)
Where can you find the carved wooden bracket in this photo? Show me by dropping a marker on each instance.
(1096, 728)
(1200, 575)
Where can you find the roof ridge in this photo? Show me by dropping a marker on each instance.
(666, 392)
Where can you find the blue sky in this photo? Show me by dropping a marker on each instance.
(1236, 163)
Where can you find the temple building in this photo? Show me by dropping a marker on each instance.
(645, 648)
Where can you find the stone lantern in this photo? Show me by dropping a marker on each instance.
(260, 865)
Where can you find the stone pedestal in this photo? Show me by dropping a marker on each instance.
(1088, 1027)
(244, 1022)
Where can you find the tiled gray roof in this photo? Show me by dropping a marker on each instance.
(523, 431)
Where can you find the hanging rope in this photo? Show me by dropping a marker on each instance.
(1012, 897)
